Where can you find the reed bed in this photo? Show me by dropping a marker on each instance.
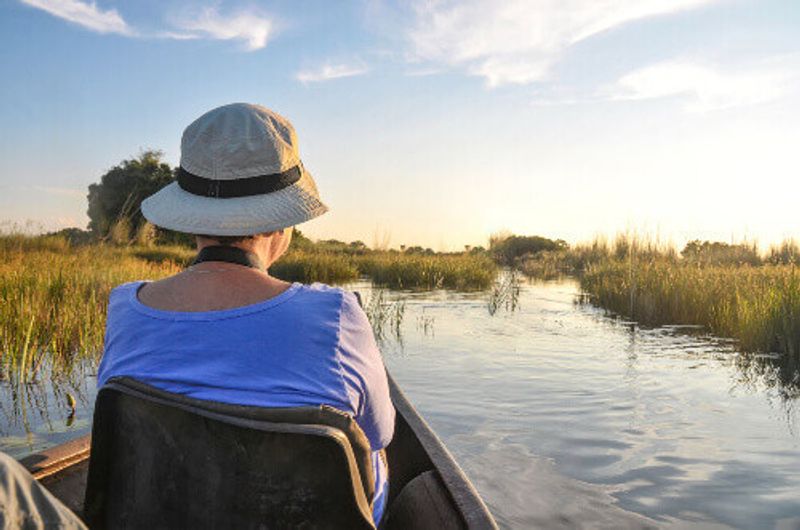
(729, 289)
(441, 271)
(757, 306)
(307, 267)
(53, 301)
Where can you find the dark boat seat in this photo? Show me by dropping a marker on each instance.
(161, 460)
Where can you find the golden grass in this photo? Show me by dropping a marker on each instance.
(415, 271)
(731, 291)
(53, 299)
(757, 306)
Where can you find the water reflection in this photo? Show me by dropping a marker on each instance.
(52, 407)
(771, 374)
(653, 421)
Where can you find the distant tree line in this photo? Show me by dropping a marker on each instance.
(115, 215)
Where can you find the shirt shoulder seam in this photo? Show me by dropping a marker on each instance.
(337, 354)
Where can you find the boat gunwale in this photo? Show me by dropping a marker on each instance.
(468, 501)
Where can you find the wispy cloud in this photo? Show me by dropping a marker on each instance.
(704, 88)
(330, 71)
(252, 28)
(84, 14)
(518, 41)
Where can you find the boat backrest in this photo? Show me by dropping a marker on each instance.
(161, 460)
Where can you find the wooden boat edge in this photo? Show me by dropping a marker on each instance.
(45, 464)
(466, 498)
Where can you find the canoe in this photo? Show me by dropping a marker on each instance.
(437, 493)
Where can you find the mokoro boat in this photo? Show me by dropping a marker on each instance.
(417, 459)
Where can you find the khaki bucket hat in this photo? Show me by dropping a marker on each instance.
(240, 174)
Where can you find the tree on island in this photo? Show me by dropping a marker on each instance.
(115, 201)
(506, 248)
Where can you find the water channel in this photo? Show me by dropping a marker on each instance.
(562, 416)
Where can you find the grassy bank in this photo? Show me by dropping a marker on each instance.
(757, 306)
(53, 300)
(414, 271)
(731, 290)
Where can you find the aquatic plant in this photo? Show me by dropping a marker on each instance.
(757, 306)
(398, 270)
(385, 315)
(308, 267)
(505, 293)
(53, 300)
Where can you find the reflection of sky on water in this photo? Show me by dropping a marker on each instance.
(663, 422)
(35, 415)
(565, 418)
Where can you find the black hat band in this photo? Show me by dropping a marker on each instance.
(244, 187)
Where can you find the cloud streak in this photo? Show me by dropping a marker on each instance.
(704, 88)
(330, 71)
(252, 29)
(518, 41)
(84, 14)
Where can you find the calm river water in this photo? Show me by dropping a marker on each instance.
(562, 416)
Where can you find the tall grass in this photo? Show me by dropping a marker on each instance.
(758, 306)
(729, 289)
(415, 271)
(307, 267)
(53, 300)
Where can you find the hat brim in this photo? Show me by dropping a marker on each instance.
(176, 209)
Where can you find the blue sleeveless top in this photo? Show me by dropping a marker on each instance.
(309, 345)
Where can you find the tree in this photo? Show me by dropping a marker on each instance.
(118, 196)
(719, 253)
(506, 250)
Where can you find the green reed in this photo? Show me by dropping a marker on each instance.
(385, 315)
(729, 289)
(53, 300)
(307, 267)
(757, 306)
(398, 270)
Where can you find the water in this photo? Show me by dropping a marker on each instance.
(564, 417)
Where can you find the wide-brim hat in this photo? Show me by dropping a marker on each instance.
(240, 174)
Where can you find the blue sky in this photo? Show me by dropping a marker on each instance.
(429, 122)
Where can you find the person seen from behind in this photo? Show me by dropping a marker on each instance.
(224, 329)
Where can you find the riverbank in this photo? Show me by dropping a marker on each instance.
(730, 290)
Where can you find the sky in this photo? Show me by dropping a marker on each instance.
(433, 123)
